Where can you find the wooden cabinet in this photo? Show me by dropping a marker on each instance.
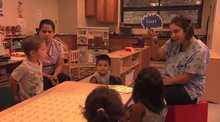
(129, 42)
(96, 41)
(90, 8)
(100, 10)
(106, 11)
(70, 40)
(116, 43)
(111, 11)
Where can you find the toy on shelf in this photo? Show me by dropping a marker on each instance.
(16, 44)
(83, 41)
(18, 30)
(18, 54)
(13, 31)
(130, 49)
(139, 44)
(8, 31)
(3, 30)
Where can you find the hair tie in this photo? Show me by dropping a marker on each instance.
(100, 109)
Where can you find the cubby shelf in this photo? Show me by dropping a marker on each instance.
(127, 64)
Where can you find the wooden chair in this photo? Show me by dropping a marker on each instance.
(73, 63)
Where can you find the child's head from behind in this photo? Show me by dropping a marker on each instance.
(149, 89)
(103, 63)
(34, 46)
(103, 105)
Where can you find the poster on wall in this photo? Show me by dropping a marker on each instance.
(39, 15)
(1, 9)
(19, 9)
(21, 22)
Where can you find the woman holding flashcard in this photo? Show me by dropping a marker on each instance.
(186, 62)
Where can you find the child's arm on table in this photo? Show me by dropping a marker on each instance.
(14, 88)
(137, 112)
(115, 76)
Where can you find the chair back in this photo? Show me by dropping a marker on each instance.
(65, 46)
(73, 58)
(6, 97)
(114, 81)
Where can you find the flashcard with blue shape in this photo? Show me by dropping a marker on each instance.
(152, 21)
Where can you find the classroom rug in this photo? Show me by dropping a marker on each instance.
(84, 72)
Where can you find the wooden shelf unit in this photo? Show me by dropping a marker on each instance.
(124, 61)
(9, 41)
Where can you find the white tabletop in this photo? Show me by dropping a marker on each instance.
(60, 103)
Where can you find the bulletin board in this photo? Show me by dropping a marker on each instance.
(54, 107)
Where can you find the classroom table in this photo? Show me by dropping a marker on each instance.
(60, 92)
(12, 61)
(8, 67)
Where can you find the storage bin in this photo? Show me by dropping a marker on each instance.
(129, 77)
(121, 62)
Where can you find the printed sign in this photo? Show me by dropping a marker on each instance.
(1, 9)
(152, 21)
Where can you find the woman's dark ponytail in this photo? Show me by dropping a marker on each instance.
(101, 116)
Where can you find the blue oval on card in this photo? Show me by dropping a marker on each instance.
(152, 21)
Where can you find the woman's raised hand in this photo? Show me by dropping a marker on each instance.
(152, 33)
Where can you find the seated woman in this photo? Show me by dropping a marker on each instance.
(187, 59)
(103, 75)
(53, 63)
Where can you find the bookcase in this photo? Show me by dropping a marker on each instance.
(128, 64)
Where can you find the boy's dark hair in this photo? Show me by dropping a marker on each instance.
(149, 89)
(103, 57)
(103, 105)
(30, 43)
(184, 23)
(48, 22)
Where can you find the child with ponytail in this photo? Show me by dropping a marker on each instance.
(103, 105)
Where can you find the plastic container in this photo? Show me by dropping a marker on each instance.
(129, 77)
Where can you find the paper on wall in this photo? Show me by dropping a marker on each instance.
(1, 9)
(90, 58)
(21, 22)
(39, 15)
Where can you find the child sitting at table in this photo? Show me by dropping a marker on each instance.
(103, 75)
(148, 97)
(28, 74)
(103, 105)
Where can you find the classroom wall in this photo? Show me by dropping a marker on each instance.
(115, 27)
(71, 14)
(81, 18)
(49, 9)
(214, 28)
(211, 23)
(67, 16)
